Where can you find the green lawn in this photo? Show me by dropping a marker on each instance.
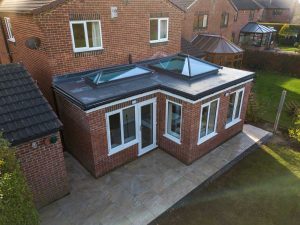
(262, 189)
(289, 49)
(268, 88)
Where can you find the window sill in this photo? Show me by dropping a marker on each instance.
(232, 123)
(121, 147)
(202, 140)
(12, 40)
(158, 43)
(172, 138)
(87, 50)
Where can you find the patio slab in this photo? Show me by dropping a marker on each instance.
(140, 191)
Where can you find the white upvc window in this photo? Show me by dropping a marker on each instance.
(86, 35)
(173, 121)
(159, 30)
(208, 120)
(235, 107)
(121, 129)
(9, 29)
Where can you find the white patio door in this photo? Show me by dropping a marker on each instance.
(147, 126)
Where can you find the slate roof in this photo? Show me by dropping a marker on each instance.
(246, 4)
(183, 4)
(28, 6)
(25, 114)
(209, 43)
(276, 4)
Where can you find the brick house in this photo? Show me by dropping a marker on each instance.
(277, 11)
(31, 126)
(179, 103)
(203, 16)
(124, 26)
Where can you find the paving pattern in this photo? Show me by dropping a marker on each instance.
(138, 192)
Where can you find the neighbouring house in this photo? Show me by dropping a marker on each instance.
(206, 17)
(277, 11)
(296, 16)
(33, 129)
(257, 36)
(247, 11)
(52, 37)
(181, 104)
(214, 48)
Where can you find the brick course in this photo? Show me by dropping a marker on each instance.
(44, 169)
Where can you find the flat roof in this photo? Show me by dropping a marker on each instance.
(87, 95)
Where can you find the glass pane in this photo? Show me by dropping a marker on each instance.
(79, 36)
(153, 30)
(147, 125)
(115, 130)
(203, 121)
(212, 117)
(129, 124)
(94, 34)
(238, 107)
(163, 29)
(205, 17)
(174, 119)
(230, 108)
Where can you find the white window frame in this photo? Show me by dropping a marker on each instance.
(167, 135)
(159, 38)
(87, 48)
(214, 133)
(237, 120)
(123, 145)
(9, 29)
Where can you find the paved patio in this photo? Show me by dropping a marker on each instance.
(140, 191)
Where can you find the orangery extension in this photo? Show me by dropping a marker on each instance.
(180, 104)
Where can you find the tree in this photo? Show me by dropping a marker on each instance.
(16, 205)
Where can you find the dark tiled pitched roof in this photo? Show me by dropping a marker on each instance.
(25, 114)
(246, 4)
(183, 4)
(276, 4)
(28, 6)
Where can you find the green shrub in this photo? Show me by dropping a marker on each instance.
(16, 206)
(294, 132)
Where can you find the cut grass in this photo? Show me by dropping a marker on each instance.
(289, 49)
(263, 188)
(268, 88)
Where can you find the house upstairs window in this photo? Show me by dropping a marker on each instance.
(224, 19)
(277, 12)
(86, 35)
(208, 120)
(234, 108)
(9, 29)
(159, 29)
(251, 15)
(200, 21)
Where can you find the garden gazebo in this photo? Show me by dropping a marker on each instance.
(216, 49)
(256, 35)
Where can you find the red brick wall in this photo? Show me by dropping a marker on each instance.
(86, 134)
(44, 169)
(35, 61)
(189, 151)
(268, 16)
(127, 34)
(214, 9)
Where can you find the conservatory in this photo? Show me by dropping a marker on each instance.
(256, 35)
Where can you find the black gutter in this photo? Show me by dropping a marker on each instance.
(5, 41)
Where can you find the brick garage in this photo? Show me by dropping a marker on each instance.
(86, 129)
(31, 126)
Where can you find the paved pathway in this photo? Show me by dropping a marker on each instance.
(138, 192)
